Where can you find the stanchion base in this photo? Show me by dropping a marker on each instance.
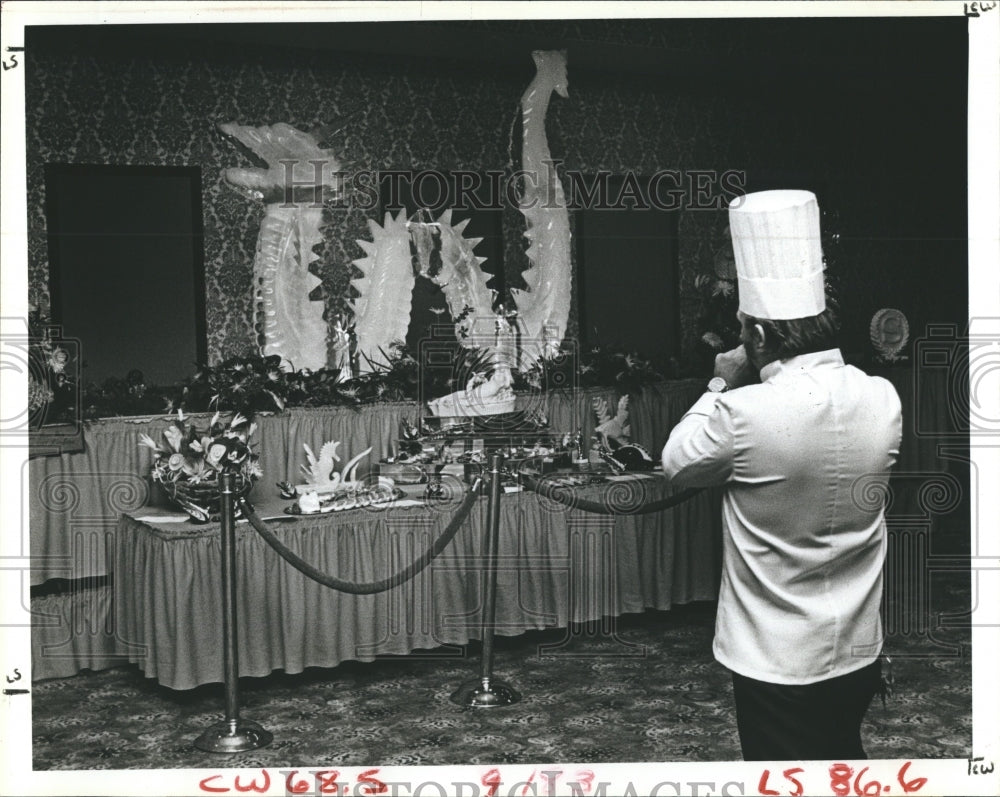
(473, 694)
(224, 738)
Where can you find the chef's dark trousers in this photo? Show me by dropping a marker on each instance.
(790, 722)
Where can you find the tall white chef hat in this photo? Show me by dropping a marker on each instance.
(779, 260)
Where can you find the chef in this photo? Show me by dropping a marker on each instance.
(798, 440)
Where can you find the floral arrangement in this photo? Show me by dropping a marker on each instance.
(189, 460)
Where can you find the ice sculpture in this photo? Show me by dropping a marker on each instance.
(382, 311)
(291, 321)
(544, 307)
(463, 283)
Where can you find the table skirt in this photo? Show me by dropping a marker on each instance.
(555, 567)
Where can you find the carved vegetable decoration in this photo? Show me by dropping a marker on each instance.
(321, 473)
(613, 431)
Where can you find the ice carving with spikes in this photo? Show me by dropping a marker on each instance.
(463, 283)
(292, 322)
(544, 307)
(382, 311)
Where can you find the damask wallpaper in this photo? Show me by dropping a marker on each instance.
(161, 106)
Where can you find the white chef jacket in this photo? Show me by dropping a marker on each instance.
(803, 544)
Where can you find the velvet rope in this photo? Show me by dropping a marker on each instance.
(622, 498)
(371, 587)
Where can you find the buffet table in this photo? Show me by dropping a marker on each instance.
(76, 499)
(556, 567)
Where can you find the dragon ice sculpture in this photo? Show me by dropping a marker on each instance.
(382, 310)
(544, 307)
(292, 323)
(463, 283)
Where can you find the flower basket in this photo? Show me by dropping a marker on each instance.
(190, 460)
(202, 501)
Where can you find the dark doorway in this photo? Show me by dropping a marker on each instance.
(627, 260)
(126, 267)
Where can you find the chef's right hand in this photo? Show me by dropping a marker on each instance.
(735, 367)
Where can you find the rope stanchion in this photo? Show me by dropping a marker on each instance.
(487, 691)
(559, 495)
(370, 587)
(233, 735)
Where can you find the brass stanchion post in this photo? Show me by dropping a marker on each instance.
(233, 735)
(486, 691)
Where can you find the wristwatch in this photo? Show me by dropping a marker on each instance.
(717, 385)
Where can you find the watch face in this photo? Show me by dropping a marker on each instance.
(718, 385)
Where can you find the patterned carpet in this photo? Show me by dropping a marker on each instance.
(641, 688)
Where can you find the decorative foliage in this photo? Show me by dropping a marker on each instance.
(626, 371)
(244, 384)
(394, 376)
(128, 396)
(252, 384)
(188, 453)
(323, 388)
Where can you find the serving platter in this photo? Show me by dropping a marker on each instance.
(378, 498)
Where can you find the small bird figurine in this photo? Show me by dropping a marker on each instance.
(320, 472)
(616, 431)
